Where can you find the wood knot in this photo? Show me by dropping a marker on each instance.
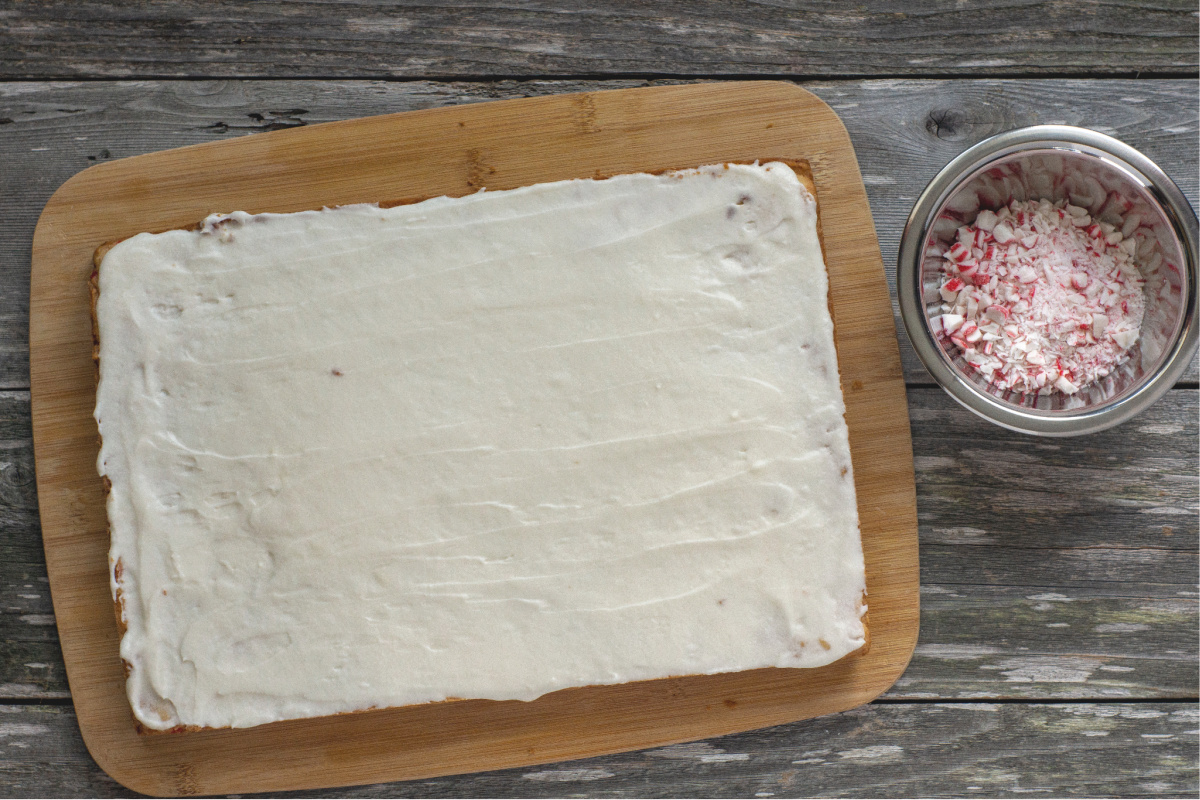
(947, 123)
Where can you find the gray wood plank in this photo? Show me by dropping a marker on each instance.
(1049, 569)
(1042, 642)
(1054, 567)
(59, 129)
(905, 131)
(30, 658)
(903, 750)
(981, 486)
(193, 38)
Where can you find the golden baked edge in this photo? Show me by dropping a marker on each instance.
(800, 167)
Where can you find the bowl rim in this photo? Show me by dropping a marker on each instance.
(912, 310)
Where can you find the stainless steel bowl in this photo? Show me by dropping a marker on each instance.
(1114, 181)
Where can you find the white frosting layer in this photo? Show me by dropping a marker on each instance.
(584, 432)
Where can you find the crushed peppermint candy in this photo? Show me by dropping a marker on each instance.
(1039, 297)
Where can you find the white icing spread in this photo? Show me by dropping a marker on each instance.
(585, 432)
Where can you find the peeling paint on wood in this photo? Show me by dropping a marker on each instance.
(567, 775)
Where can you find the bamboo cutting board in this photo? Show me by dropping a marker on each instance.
(455, 151)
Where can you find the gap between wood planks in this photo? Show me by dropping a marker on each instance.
(627, 76)
(882, 701)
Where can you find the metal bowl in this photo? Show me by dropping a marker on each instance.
(1113, 181)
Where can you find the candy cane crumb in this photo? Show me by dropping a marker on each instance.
(1039, 297)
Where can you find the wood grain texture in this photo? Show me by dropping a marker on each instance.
(926, 750)
(458, 151)
(30, 657)
(903, 131)
(994, 514)
(64, 39)
(1056, 568)
(1103, 611)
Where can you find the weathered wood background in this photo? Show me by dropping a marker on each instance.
(375, 38)
(1058, 651)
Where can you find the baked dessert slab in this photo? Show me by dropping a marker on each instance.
(516, 448)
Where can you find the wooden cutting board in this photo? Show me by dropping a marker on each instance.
(455, 151)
